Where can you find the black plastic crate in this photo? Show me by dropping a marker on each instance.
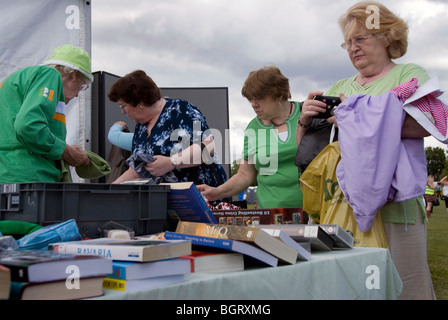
(142, 208)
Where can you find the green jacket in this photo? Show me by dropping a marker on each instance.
(33, 130)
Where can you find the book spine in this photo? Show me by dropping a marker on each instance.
(18, 273)
(219, 231)
(110, 252)
(199, 240)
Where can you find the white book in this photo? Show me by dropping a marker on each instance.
(126, 250)
(303, 254)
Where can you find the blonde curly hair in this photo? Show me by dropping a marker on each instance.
(393, 30)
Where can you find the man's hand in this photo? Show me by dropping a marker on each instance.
(75, 156)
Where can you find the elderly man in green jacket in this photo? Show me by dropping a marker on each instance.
(32, 110)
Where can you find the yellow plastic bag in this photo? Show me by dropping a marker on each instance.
(325, 202)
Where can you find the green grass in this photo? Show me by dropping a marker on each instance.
(438, 250)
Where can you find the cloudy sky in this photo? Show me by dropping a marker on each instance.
(216, 43)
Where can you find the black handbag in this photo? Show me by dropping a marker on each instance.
(313, 142)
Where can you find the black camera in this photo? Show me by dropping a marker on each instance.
(331, 102)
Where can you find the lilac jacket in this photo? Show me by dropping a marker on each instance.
(377, 166)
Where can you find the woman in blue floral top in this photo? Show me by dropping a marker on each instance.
(172, 140)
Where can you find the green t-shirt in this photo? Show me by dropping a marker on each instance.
(33, 130)
(403, 212)
(273, 158)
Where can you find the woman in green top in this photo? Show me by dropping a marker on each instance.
(371, 52)
(269, 145)
(32, 109)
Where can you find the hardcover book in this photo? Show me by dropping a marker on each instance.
(247, 250)
(126, 250)
(43, 266)
(139, 270)
(252, 235)
(312, 233)
(57, 290)
(186, 203)
(141, 284)
(214, 262)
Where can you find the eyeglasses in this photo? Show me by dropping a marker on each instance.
(123, 106)
(84, 87)
(357, 42)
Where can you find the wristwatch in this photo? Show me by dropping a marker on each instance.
(174, 162)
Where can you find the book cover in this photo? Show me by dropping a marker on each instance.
(247, 250)
(214, 262)
(141, 284)
(42, 266)
(186, 203)
(313, 233)
(303, 254)
(57, 290)
(253, 235)
(126, 250)
(341, 238)
(255, 217)
(139, 270)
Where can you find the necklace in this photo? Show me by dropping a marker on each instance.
(284, 122)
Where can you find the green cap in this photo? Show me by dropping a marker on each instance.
(72, 57)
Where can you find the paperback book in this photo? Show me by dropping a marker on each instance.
(303, 254)
(214, 262)
(312, 233)
(140, 270)
(252, 235)
(249, 251)
(141, 284)
(341, 238)
(126, 250)
(186, 203)
(57, 290)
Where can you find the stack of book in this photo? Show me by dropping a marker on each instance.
(186, 205)
(45, 275)
(137, 264)
(254, 243)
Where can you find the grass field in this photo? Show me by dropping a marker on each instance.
(438, 250)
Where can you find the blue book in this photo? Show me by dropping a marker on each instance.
(140, 270)
(186, 203)
(226, 244)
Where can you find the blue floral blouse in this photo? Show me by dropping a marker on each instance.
(180, 124)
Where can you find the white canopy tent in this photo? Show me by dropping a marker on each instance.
(30, 32)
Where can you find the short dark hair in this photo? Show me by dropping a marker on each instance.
(135, 88)
(264, 82)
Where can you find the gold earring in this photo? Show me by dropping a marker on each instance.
(140, 106)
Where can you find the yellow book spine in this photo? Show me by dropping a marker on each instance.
(114, 284)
